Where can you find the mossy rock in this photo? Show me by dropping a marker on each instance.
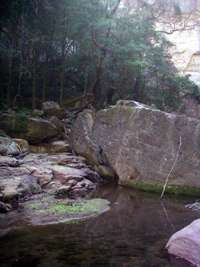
(170, 189)
(48, 210)
(14, 124)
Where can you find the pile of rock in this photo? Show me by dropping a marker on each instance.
(62, 175)
(40, 160)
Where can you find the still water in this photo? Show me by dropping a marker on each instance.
(132, 233)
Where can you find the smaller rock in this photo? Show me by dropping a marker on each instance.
(64, 174)
(40, 130)
(8, 147)
(58, 123)
(22, 144)
(54, 147)
(13, 188)
(52, 108)
(29, 185)
(37, 113)
(10, 193)
(63, 191)
(72, 182)
(3, 134)
(9, 162)
(4, 207)
(44, 176)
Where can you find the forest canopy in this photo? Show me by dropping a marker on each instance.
(56, 50)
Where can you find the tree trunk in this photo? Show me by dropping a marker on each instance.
(62, 82)
(8, 94)
(34, 84)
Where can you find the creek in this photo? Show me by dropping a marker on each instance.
(133, 233)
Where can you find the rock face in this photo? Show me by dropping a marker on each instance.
(84, 144)
(185, 244)
(141, 145)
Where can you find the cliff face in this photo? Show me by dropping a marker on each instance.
(180, 22)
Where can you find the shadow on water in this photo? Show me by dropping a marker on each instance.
(132, 234)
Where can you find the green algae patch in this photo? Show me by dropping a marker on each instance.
(87, 206)
(170, 189)
(48, 210)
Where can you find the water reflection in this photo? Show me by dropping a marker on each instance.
(132, 234)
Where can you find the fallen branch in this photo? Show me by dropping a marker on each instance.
(173, 166)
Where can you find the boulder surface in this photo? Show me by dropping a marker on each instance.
(141, 145)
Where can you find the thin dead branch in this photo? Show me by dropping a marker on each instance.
(172, 168)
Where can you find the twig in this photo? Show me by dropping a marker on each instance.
(173, 166)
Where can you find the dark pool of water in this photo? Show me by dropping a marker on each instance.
(132, 234)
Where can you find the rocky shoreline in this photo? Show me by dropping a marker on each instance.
(42, 168)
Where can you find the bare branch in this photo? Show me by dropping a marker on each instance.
(172, 168)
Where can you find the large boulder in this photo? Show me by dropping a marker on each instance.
(34, 130)
(51, 108)
(185, 244)
(40, 130)
(142, 145)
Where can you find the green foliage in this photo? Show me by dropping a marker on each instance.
(66, 48)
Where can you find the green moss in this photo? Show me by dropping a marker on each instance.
(65, 208)
(51, 206)
(84, 207)
(170, 189)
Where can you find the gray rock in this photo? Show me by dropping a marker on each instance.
(51, 108)
(185, 244)
(16, 187)
(52, 147)
(23, 145)
(34, 130)
(63, 191)
(5, 207)
(84, 143)
(40, 130)
(37, 113)
(8, 146)
(141, 144)
(9, 162)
